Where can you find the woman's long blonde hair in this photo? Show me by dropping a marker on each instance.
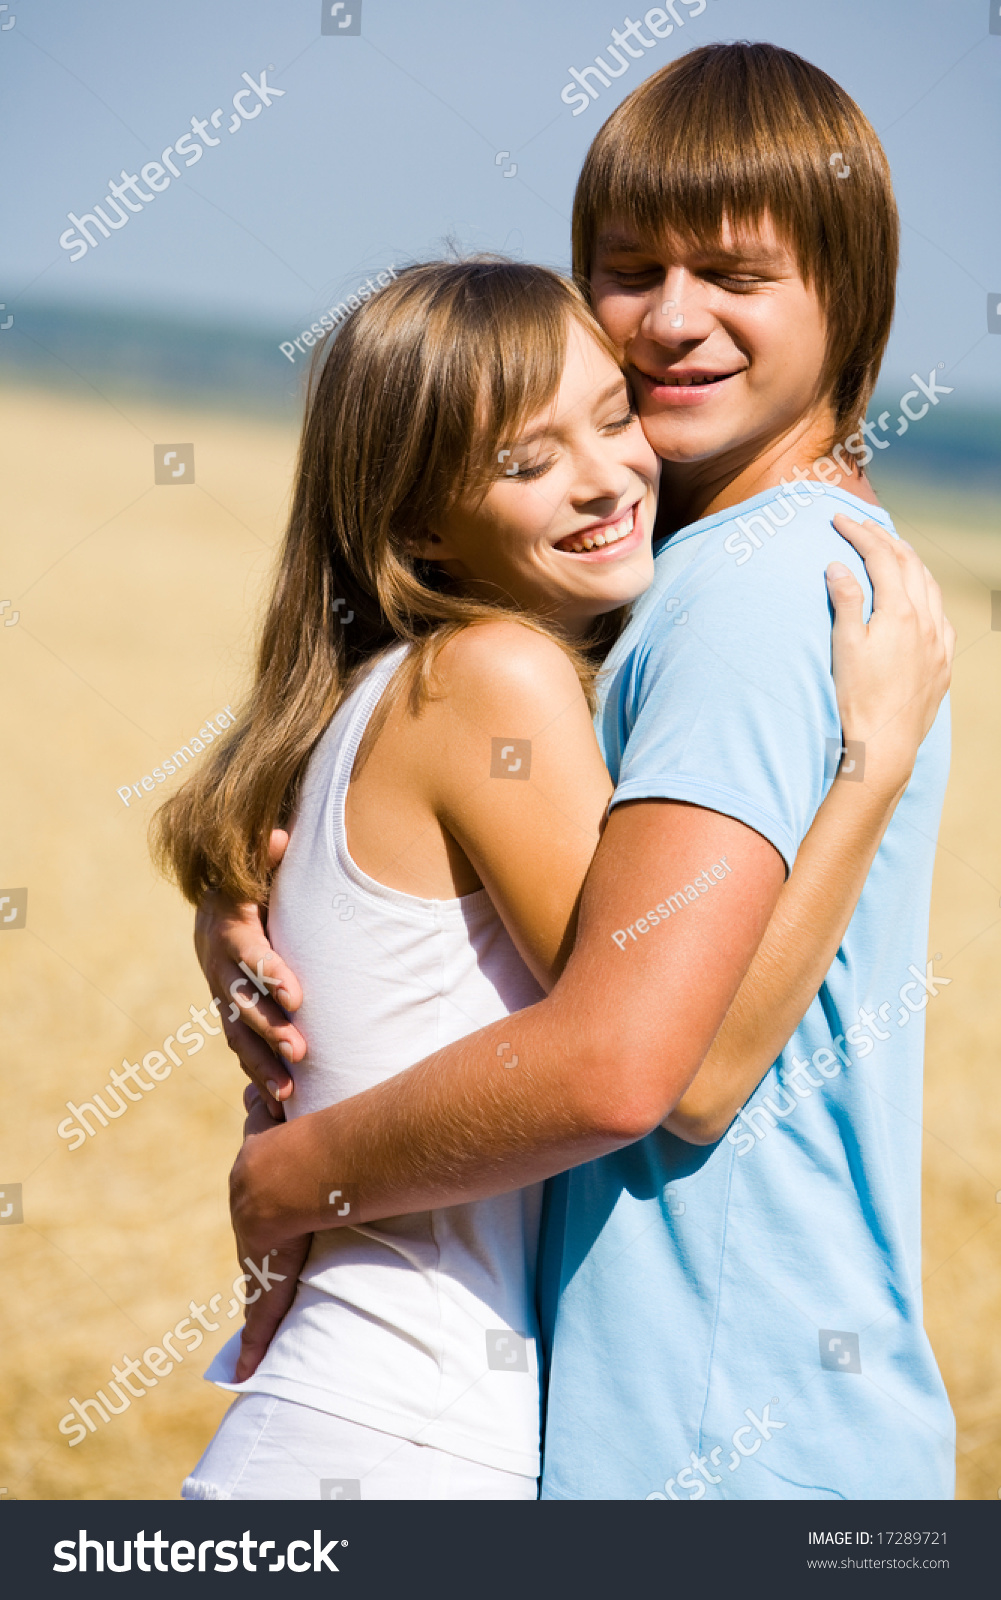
(408, 404)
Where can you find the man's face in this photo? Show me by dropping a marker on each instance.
(725, 345)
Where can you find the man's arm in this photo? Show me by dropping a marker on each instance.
(600, 1062)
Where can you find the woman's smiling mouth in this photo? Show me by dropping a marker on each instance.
(604, 540)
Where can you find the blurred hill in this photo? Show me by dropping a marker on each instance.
(238, 366)
(148, 355)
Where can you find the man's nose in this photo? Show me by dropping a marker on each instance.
(678, 313)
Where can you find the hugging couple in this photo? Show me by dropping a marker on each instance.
(591, 828)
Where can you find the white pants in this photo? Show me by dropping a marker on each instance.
(271, 1449)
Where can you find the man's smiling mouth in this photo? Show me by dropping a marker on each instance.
(688, 380)
(679, 388)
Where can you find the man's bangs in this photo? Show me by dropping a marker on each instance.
(732, 135)
(693, 175)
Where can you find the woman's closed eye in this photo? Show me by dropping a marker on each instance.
(527, 470)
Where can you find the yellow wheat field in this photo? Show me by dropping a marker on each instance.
(135, 620)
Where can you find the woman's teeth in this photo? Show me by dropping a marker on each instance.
(596, 541)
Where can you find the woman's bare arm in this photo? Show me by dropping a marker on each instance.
(790, 964)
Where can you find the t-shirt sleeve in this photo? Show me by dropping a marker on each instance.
(733, 709)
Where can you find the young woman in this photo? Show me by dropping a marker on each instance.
(473, 512)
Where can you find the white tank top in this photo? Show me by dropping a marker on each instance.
(422, 1326)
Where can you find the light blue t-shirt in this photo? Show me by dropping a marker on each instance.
(744, 1321)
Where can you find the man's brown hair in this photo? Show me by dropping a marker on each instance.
(738, 132)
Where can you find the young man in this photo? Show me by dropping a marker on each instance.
(741, 1320)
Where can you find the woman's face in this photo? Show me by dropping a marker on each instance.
(565, 531)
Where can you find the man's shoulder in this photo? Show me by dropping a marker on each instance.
(771, 550)
(750, 577)
(792, 522)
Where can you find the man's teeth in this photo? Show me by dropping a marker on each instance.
(611, 535)
(687, 380)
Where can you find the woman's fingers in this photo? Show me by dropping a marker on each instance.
(892, 672)
(847, 599)
(868, 536)
(900, 580)
(916, 579)
(944, 630)
(886, 560)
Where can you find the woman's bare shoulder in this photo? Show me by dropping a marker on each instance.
(505, 666)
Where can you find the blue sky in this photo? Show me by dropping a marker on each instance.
(390, 140)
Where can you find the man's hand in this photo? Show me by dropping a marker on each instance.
(259, 1030)
(280, 1262)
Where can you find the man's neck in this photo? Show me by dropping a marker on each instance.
(690, 491)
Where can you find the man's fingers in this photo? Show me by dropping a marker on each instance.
(277, 845)
(253, 1348)
(269, 1075)
(265, 1313)
(233, 948)
(262, 966)
(242, 1001)
(262, 1112)
(243, 1009)
(238, 988)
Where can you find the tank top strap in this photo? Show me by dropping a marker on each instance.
(350, 722)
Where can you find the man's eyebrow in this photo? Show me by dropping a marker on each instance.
(756, 255)
(625, 244)
(752, 253)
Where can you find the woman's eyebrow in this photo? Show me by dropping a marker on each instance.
(617, 387)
